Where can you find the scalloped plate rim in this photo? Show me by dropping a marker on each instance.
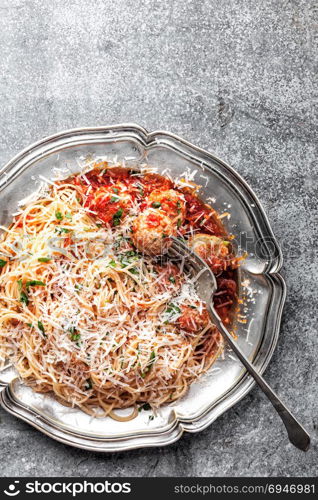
(245, 383)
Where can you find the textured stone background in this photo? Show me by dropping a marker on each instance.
(234, 76)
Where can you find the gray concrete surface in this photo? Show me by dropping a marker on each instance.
(235, 77)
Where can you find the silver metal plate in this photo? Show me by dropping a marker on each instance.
(262, 290)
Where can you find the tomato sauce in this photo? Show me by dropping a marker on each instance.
(109, 194)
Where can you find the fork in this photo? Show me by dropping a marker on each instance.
(206, 286)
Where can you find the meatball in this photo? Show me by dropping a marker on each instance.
(170, 202)
(227, 284)
(111, 203)
(151, 231)
(191, 320)
(213, 250)
(170, 277)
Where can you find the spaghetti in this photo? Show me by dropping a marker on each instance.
(89, 311)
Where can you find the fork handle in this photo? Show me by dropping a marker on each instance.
(298, 436)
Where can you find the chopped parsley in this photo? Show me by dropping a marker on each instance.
(117, 216)
(145, 406)
(172, 279)
(116, 190)
(75, 337)
(119, 213)
(88, 384)
(61, 230)
(41, 328)
(2, 263)
(151, 362)
(68, 215)
(112, 263)
(24, 298)
(34, 283)
(128, 257)
(131, 253)
(152, 357)
(58, 215)
(156, 204)
(179, 222)
(114, 199)
(44, 259)
(133, 270)
(171, 311)
(23, 295)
